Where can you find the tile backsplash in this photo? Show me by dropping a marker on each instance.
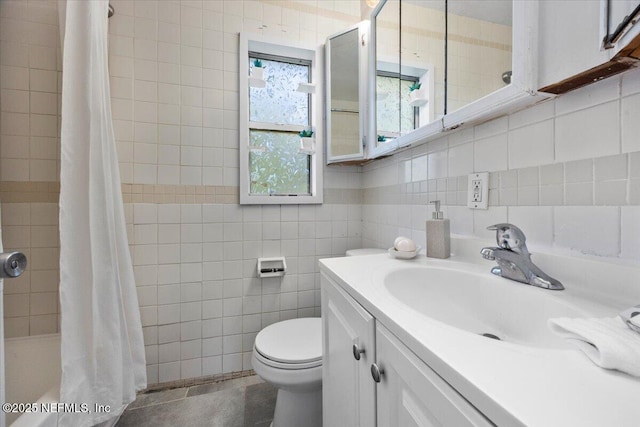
(567, 171)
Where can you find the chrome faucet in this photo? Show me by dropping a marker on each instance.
(514, 259)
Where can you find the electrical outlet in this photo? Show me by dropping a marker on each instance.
(478, 191)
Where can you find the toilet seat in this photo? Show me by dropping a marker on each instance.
(291, 344)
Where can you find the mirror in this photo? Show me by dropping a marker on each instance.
(387, 76)
(345, 94)
(479, 49)
(471, 61)
(409, 52)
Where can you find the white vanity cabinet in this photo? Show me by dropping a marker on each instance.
(409, 392)
(412, 394)
(348, 391)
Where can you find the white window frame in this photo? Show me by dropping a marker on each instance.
(279, 47)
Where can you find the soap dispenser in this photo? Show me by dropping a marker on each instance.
(438, 234)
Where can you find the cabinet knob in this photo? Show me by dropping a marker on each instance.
(376, 372)
(357, 351)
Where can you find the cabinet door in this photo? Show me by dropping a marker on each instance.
(348, 392)
(412, 394)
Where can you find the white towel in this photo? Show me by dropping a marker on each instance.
(608, 342)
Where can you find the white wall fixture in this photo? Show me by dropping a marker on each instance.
(272, 267)
(478, 190)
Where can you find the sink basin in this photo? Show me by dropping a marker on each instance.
(483, 304)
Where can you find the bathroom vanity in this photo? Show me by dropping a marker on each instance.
(403, 343)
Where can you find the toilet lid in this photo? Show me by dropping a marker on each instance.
(292, 341)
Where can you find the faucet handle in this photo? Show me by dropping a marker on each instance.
(508, 236)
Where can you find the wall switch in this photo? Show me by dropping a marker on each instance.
(478, 191)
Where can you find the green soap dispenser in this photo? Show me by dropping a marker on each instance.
(438, 234)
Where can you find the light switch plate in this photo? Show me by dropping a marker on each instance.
(478, 190)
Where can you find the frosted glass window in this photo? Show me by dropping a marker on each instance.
(277, 105)
(279, 101)
(394, 114)
(276, 165)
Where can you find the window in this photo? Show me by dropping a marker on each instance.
(274, 109)
(395, 114)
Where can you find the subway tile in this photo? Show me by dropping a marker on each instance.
(528, 177)
(169, 12)
(538, 113)
(584, 134)
(579, 171)
(603, 222)
(630, 123)
(169, 371)
(531, 145)
(509, 196)
(611, 193)
(14, 101)
(630, 83)
(598, 94)
(491, 128)
(490, 154)
(579, 194)
(630, 230)
(118, 45)
(552, 195)
(15, 146)
(14, 77)
(14, 124)
(610, 167)
(169, 352)
(15, 54)
(169, 52)
(43, 80)
(535, 221)
(460, 160)
(552, 174)
(634, 165)
(145, 28)
(634, 192)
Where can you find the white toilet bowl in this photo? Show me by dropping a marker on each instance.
(365, 251)
(288, 355)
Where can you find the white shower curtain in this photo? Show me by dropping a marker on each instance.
(103, 358)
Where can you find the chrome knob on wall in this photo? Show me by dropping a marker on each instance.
(12, 264)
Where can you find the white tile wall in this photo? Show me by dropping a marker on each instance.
(562, 167)
(29, 91)
(174, 84)
(31, 300)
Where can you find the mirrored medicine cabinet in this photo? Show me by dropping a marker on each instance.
(429, 66)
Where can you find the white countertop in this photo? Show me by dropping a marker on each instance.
(511, 384)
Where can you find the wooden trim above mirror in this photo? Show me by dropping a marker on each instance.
(628, 57)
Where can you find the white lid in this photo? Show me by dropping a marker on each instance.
(292, 341)
(365, 251)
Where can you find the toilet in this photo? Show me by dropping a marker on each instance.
(365, 251)
(288, 355)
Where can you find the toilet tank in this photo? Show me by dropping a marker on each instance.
(365, 251)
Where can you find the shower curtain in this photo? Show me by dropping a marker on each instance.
(2, 395)
(102, 348)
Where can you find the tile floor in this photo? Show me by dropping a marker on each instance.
(241, 402)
